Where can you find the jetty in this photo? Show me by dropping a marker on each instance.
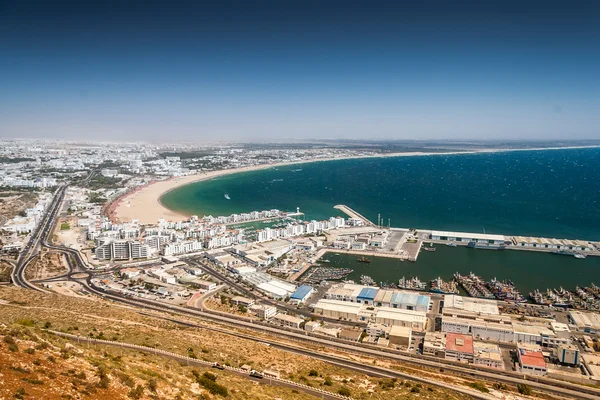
(353, 214)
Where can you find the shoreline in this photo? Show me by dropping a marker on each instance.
(143, 203)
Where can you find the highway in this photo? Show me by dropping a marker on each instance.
(38, 237)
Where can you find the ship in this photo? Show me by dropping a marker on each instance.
(476, 245)
(412, 284)
(363, 260)
(474, 285)
(366, 280)
(227, 196)
(505, 290)
(439, 286)
(563, 253)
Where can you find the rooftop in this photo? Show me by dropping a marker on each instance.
(368, 293)
(301, 292)
(459, 342)
(479, 236)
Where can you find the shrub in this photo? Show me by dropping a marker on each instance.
(152, 386)
(13, 348)
(47, 325)
(137, 392)
(30, 350)
(327, 382)
(20, 393)
(479, 386)
(209, 382)
(313, 372)
(26, 322)
(344, 392)
(524, 389)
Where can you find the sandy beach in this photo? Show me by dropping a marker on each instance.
(143, 203)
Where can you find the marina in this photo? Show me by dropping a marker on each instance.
(528, 271)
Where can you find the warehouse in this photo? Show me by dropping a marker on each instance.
(479, 329)
(585, 321)
(531, 359)
(400, 335)
(337, 309)
(416, 320)
(367, 295)
(468, 307)
(301, 294)
(468, 237)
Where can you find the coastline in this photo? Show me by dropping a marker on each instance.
(144, 202)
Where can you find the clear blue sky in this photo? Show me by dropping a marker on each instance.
(234, 70)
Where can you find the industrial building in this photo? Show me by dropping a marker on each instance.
(463, 237)
(337, 309)
(459, 347)
(435, 344)
(531, 359)
(379, 297)
(242, 301)
(480, 330)
(470, 307)
(263, 311)
(585, 321)
(399, 335)
(301, 294)
(287, 321)
(568, 354)
(416, 320)
(488, 355)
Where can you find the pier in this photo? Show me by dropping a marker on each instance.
(353, 214)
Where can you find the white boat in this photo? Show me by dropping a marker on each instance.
(579, 255)
(451, 244)
(227, 196)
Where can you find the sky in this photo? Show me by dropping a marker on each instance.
(262, 70)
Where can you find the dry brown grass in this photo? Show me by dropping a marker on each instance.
(46, 265)
(99, 318)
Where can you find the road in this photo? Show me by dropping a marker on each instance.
(38, 238)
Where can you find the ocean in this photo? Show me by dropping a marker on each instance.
(551, 193)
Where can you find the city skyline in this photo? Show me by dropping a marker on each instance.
(186, 72)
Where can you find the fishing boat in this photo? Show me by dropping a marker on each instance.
(451, 244)
(429, 248)
(325, 261)
(579, 255)
(227, 196)
(363, 260)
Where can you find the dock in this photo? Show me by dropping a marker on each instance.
(353, 214)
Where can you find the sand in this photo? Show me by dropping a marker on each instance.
(143, 204)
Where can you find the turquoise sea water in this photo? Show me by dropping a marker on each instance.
(552, 193)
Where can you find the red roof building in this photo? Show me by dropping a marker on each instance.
(459, 347)
(531, 359)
